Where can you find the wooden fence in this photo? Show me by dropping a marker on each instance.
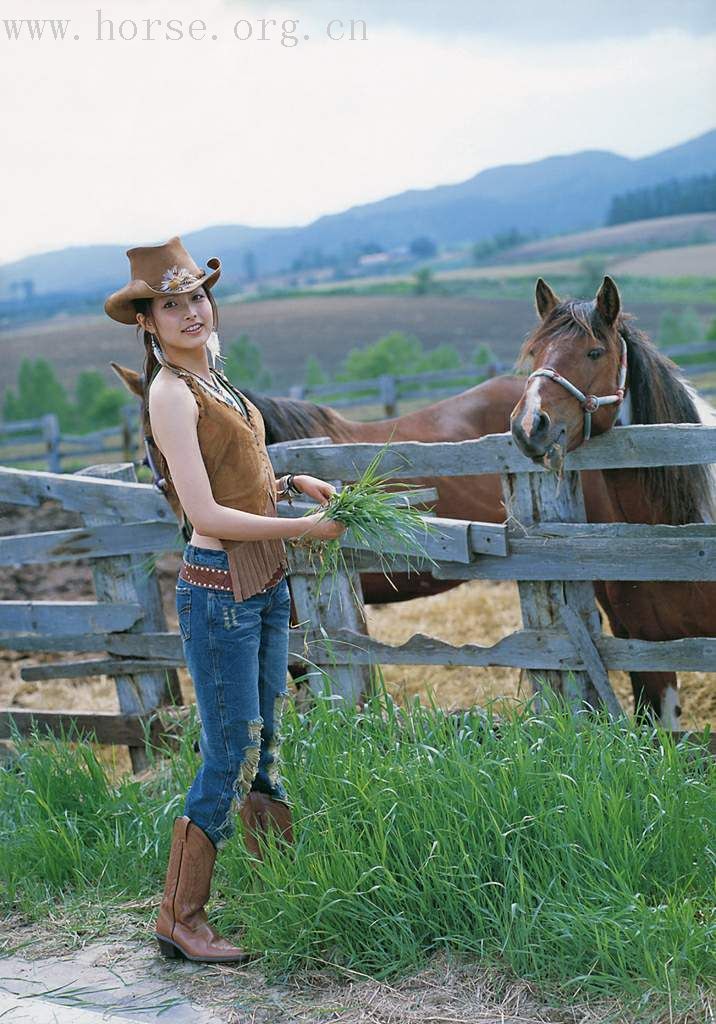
(41, 440)
(545, 545)
(389, 389)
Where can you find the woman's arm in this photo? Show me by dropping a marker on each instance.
(311, 486)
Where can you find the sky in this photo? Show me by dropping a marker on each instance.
(131, 140)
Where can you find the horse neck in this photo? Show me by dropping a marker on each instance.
(372, 432)
(629, 499)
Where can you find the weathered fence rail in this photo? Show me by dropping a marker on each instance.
(545, 544)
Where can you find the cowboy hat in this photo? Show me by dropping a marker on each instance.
(158, 270)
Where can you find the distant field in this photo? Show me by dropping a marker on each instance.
(679, 261)
(287, 330)
(689, 229)
(674, 262)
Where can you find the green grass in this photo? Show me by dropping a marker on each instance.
(576, 854)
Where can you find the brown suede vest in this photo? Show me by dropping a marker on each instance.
(241, 477)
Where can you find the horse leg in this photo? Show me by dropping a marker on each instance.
(632, 614)
(656, 698)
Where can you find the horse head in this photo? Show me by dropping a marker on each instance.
(577, 383)
(586, 358)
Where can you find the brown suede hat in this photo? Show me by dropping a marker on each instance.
(158, 270)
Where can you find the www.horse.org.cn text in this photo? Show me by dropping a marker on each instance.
(287, 32)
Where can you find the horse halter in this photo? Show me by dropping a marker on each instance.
(589, 403)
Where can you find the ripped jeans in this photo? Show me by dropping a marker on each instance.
(237, 655)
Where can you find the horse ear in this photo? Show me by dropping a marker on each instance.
(545, 298)
(130, 378)
(608, 301)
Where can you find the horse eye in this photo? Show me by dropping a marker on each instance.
(595, 353)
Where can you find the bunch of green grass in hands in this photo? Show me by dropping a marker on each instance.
(373, 515)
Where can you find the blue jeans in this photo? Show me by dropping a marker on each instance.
(237, 655)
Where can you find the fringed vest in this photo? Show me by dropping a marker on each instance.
(242, 477)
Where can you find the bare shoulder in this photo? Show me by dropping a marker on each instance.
(172, 407)
(167, 388)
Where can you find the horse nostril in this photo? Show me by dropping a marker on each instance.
(541, 424)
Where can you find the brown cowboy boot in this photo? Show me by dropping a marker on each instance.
(182, 928)
(259, 813)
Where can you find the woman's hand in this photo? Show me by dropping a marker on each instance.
(319, 490)
(321, 528)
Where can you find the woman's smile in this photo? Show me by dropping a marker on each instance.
(194, 329)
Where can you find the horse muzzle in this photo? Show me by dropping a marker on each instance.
(536, 434)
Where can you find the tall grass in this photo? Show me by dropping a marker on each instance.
(374, 516)
(577, 854)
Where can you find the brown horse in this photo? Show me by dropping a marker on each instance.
(583, 349)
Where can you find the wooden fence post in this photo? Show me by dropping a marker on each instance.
(51, 436)
(389, 395)
(126, 578)
(350, 681)
(531, 498)
(330, 607)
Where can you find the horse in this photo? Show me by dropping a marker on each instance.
(582, 349)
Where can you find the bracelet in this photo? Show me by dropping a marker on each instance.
(282, 489)
(290, 485)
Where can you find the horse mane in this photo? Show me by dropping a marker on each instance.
(657, 393)
(290, 419)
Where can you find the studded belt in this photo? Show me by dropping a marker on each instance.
(216, 579)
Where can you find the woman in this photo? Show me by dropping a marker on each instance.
(232, 594)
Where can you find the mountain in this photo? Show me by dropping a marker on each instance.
(553, 196)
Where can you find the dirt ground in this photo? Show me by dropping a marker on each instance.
(475, 612)
(53, 978)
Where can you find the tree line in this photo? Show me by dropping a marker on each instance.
(93, 404)
(679, 195)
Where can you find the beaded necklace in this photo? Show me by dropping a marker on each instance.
(221, 392)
